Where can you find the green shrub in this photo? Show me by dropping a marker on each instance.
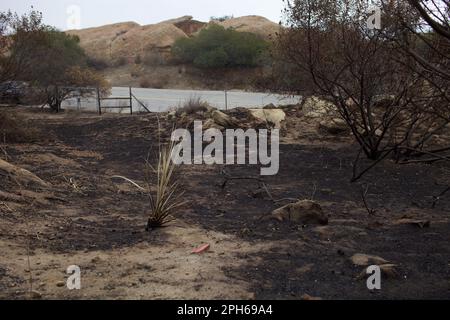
(216, 58)
(217, 47)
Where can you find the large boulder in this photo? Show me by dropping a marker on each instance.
(304, 212)
(253, 24)
(272, 116)
(334, 126)
(223, 119)
(211, 124)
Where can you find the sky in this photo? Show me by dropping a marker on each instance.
(76, 14)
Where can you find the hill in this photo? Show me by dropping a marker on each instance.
(120, 44)
(128, 39)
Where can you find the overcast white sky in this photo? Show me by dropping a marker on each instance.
(64, 13)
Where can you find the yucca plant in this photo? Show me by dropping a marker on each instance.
(166, 199)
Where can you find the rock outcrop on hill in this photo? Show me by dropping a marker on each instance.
(129, 39)
(254, 24)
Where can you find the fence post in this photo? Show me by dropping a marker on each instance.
(226, 100)
(99, 102)
(131, 101)
(57, 99)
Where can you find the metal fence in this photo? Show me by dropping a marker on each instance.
(91, 99)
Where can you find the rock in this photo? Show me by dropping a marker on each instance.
(388, 270)
(35, 295)
(259, 194)
(383, 101)
(271, 116)
(60, 284)
(270, 106)
(254, 24)
(179, 20)
(307, 297)
(305, 212)
(96, 260)
(324, 231)
(210, 124)
(223, 119)
(172, 115)
(334, 126)
(365, 260)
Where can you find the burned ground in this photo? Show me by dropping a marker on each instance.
(87, 218)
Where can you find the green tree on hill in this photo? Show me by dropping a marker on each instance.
(49, 60)
(217, 47)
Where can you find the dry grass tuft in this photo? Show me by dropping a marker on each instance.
(167, 198)
(193, 105)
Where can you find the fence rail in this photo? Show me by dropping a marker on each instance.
(141, 103)
(129, 98)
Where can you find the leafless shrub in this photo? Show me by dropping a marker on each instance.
(388, 106)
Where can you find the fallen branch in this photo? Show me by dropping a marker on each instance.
(364, 195)
(434, 155)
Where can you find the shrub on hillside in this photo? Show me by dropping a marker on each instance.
(120, 62)
(217, 47)
(97, 64)
(154, 83)
(154, 58)
(222, 19)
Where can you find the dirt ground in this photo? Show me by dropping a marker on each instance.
(81, 216)
(182, 77)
